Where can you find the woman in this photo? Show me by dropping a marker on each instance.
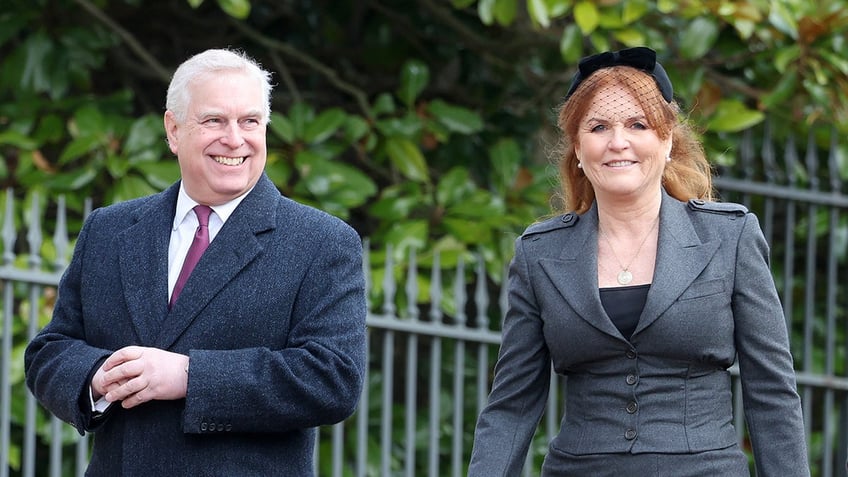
(643, 296)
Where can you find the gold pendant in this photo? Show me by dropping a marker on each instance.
(624, 277)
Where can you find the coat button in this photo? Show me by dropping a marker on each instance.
(631, 407)
(228, 428)
(631, 379)
(630, 354)
(203, 426)
(630, 434)
(220, 427)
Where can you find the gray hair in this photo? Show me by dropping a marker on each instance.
(210, 61)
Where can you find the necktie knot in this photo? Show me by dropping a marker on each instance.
(202, 212)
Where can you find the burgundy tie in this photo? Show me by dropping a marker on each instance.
(198, 245)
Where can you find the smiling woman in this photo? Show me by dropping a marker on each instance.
(633, 295)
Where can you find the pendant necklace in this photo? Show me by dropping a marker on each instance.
(625, 276)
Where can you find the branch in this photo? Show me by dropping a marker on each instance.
(326, 71)
(134, 44)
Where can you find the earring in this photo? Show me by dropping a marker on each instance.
(580, 165)
(667, 158)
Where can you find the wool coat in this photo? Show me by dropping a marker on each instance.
(272, 318)
(664, 391)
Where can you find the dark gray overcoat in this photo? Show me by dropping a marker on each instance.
(273, 319)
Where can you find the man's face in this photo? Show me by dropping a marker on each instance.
(221, 145)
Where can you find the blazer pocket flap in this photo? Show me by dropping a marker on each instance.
(703, 288)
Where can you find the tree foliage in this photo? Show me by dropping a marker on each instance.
(424, 123)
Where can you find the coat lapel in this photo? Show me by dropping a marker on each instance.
(574, 273)
(144, 264)
(235, 246)
(681, 257)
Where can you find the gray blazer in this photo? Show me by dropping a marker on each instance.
(273, 319)
(667, 389)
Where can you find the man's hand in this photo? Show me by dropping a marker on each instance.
(136, 374)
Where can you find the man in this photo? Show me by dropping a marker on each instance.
(228, 373)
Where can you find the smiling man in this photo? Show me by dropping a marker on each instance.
(207, 329)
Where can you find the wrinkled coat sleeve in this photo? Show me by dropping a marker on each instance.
(507, 424)
(771, 402)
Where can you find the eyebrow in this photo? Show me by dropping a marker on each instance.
(605, 120)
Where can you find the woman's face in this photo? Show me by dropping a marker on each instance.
(620, 154)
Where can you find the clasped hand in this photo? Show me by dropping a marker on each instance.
(135, 374)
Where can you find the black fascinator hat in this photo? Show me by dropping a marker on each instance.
(640, 57)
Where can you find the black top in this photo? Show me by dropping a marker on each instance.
(624, 306)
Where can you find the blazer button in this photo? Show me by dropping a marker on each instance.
(630, 354)
(630, 434)
(631, 407)
(203, 426)
(228, 428)
(631, 379)
(220, 427)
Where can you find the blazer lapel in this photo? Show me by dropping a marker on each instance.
(574, 273)
(144, 264)
(235, 246)
(681, 257)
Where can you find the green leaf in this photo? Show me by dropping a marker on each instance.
(355, 128)
(413, 79)
(18, 140)
(383, 105)
(587, 16)
(144, 134)
(131, 187)
(453, 186)
(159, 174)
(72, 180)
(239, 9)
(407, 157)
(485, 10)
(398, 201)
(282, 128)
(783, 19)
(783, 57)
(468, 231)
(334, 181)
(539, 13)
(324, 125)
(630, 36)
(456, 118)
(782, 91)
(732, 116)
(195, 3)
(505, 11)
(634, 10)
(505, 157)
(408, 126)
(78, 148)
(571, 44)
(35, 76)
(300, 114)
(698, 38)
(405, 234)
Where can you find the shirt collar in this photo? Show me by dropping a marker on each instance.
(185, 204)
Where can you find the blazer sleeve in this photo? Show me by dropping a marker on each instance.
(316, 378)
(506, 426)
(771, 402)
(59, 362)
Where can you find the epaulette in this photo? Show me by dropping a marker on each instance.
(560, 222)
(728, 208)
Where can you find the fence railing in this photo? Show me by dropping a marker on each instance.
(430, 370)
